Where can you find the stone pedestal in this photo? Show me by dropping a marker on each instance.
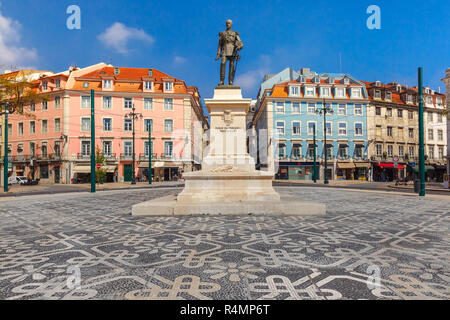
(228, 182)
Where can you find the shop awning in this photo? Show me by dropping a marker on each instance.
(362, 164)
(82, 169)
(427, 168)
(345, 165)
(383, 165)
(109, 169)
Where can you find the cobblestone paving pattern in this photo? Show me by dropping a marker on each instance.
(85, 246)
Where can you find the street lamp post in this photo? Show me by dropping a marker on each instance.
(5, 161)
(315, 165)
(324, 110)
(133, 115)
(149, 153)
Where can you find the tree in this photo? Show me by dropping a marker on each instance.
(18, 92)
(100, 174)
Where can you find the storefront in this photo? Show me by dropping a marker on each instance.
(386, 172)
(345, 170)
(362, 171)
(297, 171)
(439, 171)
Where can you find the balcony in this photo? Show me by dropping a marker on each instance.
(144, 157)
(110, 156)
(126, 156)
(83, 156)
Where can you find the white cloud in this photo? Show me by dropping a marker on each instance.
(252, 78)
(12, 54)
(118, 35)
(179, 60)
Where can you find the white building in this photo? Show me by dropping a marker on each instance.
(446, 80)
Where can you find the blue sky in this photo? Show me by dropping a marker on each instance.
(180, 38)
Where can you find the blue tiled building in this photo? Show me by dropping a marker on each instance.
(286, 117)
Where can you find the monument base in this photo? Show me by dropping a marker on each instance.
(169, 206)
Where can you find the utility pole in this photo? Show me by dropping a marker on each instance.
(92, 141)
(421, 137)
(315, 166)
(324, 110)
(133, 115)
(149, 153)
(5, 161)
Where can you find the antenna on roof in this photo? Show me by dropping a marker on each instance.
(340, 62)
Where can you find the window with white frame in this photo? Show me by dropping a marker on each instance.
(346, 80)
(309, 91)
(343, 151)
(358, 110)
(411, 151)
(282, 151)
(294, 91)
(311, 128)
(127, 124)
(390, 150)
(296, 130)
(148, 85)
(57, 102)
(128, 103)
(340, 92)
(128, 148)
(107, 84)
(358, 129)
(147, 123)
(441, 153)
(356, 92)
(430, 134)
(44, 105)
(32, 107)
(389, 131)
(280, 107)
(377, 94)
(280, 127)
(44, 126)
(401, 151)
(147, 149)
(408, 98)
(439, 117)
(311, 151)
(440, 134)
(85, 124)
(439, 102)
(296, 151)
(57, 83)
(57, 124)
(168, 125)
(410, 114)
(388, 95)
(429, 100)
(328, 128)
(44, 85)
(85, 148)
(148, 103)
(20, 129)
(107, 124)
(168, 149)
(430, 116)
(107, 148)
(85, 102)
(342, 109)
(32, 127)
(400, 113)
(168, 104)
(379, 149)
(430, 152)
(168, 86)
(311, 108)
(342, 128)
(107, 102)
(295, 107)
(325, 91)
(411, 133)
(359, 151)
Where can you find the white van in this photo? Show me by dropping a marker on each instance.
(20, 180)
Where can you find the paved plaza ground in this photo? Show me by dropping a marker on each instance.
(88, 246)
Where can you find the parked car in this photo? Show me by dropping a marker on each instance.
(17, 180)
(32, 182)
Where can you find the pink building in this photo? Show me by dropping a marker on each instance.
(52, 140)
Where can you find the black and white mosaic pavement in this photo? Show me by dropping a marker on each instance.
(85, 246)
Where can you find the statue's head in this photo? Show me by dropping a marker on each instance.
(229, 23)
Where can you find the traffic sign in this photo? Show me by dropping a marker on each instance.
(412, 164)
(395, 159)
(98, 166)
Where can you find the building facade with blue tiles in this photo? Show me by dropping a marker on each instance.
(286, 118)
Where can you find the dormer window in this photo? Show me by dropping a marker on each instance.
(330, 80)
(427, 90)
(148, 85)
(346, 81)
(302, 79)
(339, 92)
(408, 98)
(378, 83)
(377, 94)
(399, 88)
(429, 100)
(316, 79)
(44, 85)
(85, 84)
(57, 83)
(294, 91)
(168, 86)
(388, 95)
(107, 84)
(325, 91)
(356, 92)
(439, 102)
(310, 91)
(116, 71)
(150, 72)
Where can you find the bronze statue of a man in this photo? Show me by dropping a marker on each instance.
(229, 45)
